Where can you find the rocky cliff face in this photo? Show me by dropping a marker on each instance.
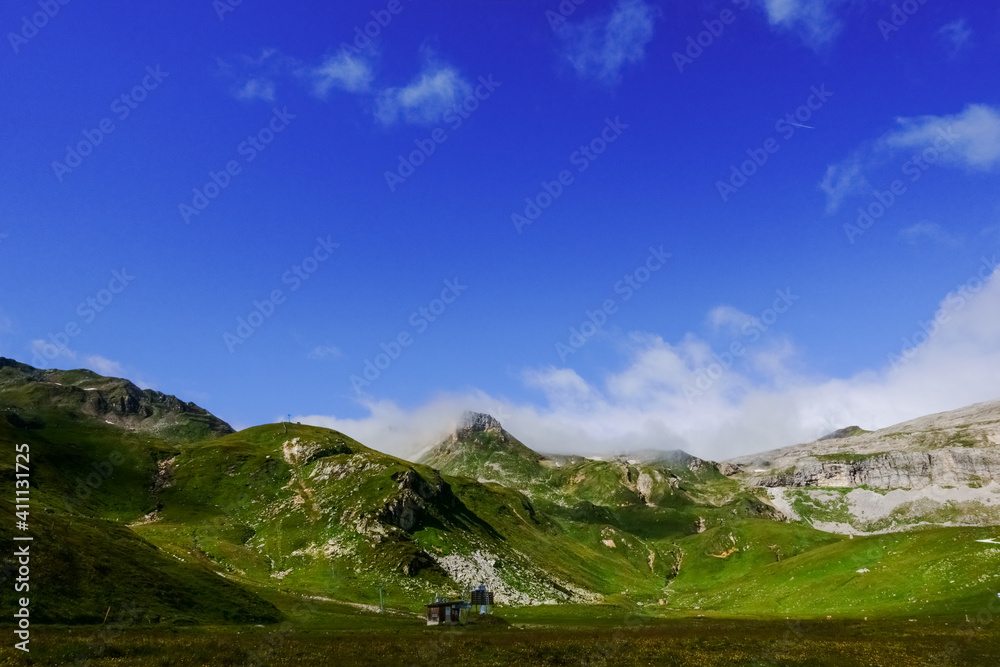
(960, 447)
(891, 470)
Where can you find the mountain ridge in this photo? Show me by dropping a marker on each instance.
(118, 401)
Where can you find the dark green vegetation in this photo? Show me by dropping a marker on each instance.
(680, 642)
(156, 510)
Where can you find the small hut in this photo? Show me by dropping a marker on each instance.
(444, 612)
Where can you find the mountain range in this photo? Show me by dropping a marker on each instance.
(139, 498)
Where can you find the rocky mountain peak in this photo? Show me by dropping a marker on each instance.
(479, 421)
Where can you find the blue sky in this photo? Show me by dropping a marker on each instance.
(764, 205)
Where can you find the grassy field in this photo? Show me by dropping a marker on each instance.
(404, 641)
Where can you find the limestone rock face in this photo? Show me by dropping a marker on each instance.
(956, 448)
(892, 470)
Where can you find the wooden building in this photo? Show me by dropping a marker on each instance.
(445, 613)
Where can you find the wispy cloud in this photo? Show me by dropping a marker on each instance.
(814, 20)
(255, 77)
(727, 318)
(975, 134)
(969, 139)
(599, 48)
(110, 368)
(342, 71)
(424, 100)
(325, 353)
(842, 181)
(929, 231)
(255, 89)
(762, 402)
(104, 366)
(956, 36)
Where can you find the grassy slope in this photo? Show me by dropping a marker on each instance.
(939, 571)
(88, 479)
(80, 567)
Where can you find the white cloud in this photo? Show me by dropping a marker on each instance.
(974, 135)
(110, 368)
(325, 353)
(956, 35)
(814, 20)
(104, 366)
(255, 89)
(255, 77)
(424, 100)
(969, 140)
(599, 48)
(342, 71)
(842, 181)
(762, 402)
(930, 231)
(728, 318)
